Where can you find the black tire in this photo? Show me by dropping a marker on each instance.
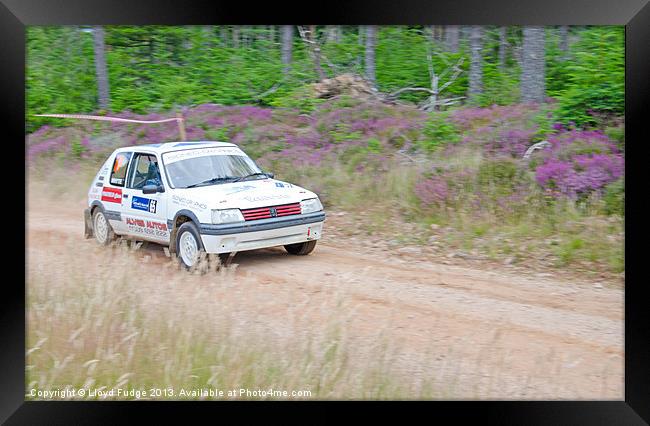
(184, 228)
(301, 249)
(99, 215)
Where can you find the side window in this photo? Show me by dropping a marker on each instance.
(120, 165)
(144, 171)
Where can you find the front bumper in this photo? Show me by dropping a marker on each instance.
(262, 233)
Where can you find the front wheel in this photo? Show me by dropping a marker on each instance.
(301, 249)
(188, 245)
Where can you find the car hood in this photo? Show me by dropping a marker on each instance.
(247, 194)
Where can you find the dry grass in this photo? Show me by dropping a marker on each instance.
(104, 320)
(113, 319)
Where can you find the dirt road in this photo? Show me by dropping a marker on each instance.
(488, 334)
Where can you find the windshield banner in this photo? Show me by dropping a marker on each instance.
(174, 156)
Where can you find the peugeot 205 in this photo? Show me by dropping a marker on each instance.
(199, 196)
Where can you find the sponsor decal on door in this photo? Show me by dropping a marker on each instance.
(112, 195)
(148, 227)
(144, 204)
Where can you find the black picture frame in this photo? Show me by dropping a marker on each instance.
(15, 15)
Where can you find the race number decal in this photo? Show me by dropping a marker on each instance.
(144, 204)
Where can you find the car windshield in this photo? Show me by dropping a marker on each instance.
(208, 166)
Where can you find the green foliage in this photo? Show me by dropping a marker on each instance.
(374, 145)
(354, 156)
(595, 76)
(301, 98)
(438, 131)
(401, 60)
(499, 176)
(567, 251)
(617, 133)
(557, 64)
(615, 198)
(60, 73)
(76, 148)
(341, 133)
(162, 68)
(500, 85)
(218, 134)
(544, 121)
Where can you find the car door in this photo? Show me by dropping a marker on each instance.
(144, 215)
(112, 191)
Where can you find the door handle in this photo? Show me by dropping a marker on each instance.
(125, 195)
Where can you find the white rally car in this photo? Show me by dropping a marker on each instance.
(194, 196)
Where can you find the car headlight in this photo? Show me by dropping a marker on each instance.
(311, 205)
(226, 216)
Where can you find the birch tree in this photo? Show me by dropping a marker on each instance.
(476, 63)
(308, 35)
(101, 69)
(287, 45)
(451, 37)
(371, 41)
(564, 41)
(503, 45)
(532, 66)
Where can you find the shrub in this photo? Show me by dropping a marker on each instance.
(596, 77)
(374, 145)
(579, 163)
(615, 198)
(301, 98)
(510, 142)
(617, 134)
(499, 173)
(432, 191)
(438, 131)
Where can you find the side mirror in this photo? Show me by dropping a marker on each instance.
(269, 174)
(152, 189)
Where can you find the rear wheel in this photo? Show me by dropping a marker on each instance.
(102, 229)
(301, 249)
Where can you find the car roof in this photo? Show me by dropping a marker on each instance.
(175, 146)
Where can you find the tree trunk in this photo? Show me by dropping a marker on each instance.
(439, 32)
(287, 44)
(244, 35)
(362, 30)
(532, 66)
(371, 40)
(315, 46)
(271, 33)
(223, 35)
(235, 36)
(564, 42)
(476, 63)
(207, 34)
(333, 34)
(503, 44)
(101, 69)
(464, 33)
(451, 37)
